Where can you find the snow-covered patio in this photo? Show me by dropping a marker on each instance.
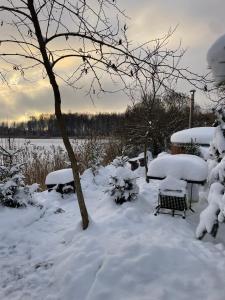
(126, 253)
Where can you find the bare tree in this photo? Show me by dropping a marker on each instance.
(42, 34)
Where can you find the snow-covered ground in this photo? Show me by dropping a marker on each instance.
(126, 253)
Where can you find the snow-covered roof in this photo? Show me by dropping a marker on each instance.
(59, 177)
(216, 60)
(199, 135)
(181, 166)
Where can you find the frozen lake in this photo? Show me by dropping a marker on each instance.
(37, 142)
(19, 142)
(45, 142)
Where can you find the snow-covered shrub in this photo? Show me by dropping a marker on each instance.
(122, 186)
(193, 149)
(13, 191)
(120, 161)
(215, 211)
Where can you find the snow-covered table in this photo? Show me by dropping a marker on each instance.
(199, 135)
(191, 168)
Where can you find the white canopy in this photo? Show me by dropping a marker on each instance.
(181, 166)
(59, 177)
(199, 135)
(216, 60)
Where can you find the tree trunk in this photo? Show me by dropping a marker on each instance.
(73, 160)
(58, 113)
(146, 160)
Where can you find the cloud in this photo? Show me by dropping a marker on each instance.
(200, 23)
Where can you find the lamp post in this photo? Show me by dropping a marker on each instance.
(192, 103)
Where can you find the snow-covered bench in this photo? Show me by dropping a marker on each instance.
(135, 162)
(61, 181)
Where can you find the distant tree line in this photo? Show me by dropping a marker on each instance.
(149, 123)
(78, 126)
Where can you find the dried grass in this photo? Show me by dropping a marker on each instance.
(40, 161)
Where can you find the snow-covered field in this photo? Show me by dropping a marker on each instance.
(126, 253)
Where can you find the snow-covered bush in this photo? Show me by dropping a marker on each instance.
(215, 211)
(122, 186)
(13, 191)
(192, 148)
(120, 161)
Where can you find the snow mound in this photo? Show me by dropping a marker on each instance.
(204, 152)
(216, 60)
(172, 186)
(199, 135)
(59, 177)
(181, 166)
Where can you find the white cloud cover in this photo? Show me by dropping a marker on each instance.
(200, 23)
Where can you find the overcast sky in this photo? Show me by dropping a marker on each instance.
(200, 22)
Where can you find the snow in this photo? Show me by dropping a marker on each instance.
(219, 140)
(199, 135)
(216, 59)
(47, 143)
(122, 185)
(204, 152)
(127, 253)
(217, 172)
(181, 166)
(214, 212)
(59, 177)
(173, 187)
(141, 156)
(209, 216)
